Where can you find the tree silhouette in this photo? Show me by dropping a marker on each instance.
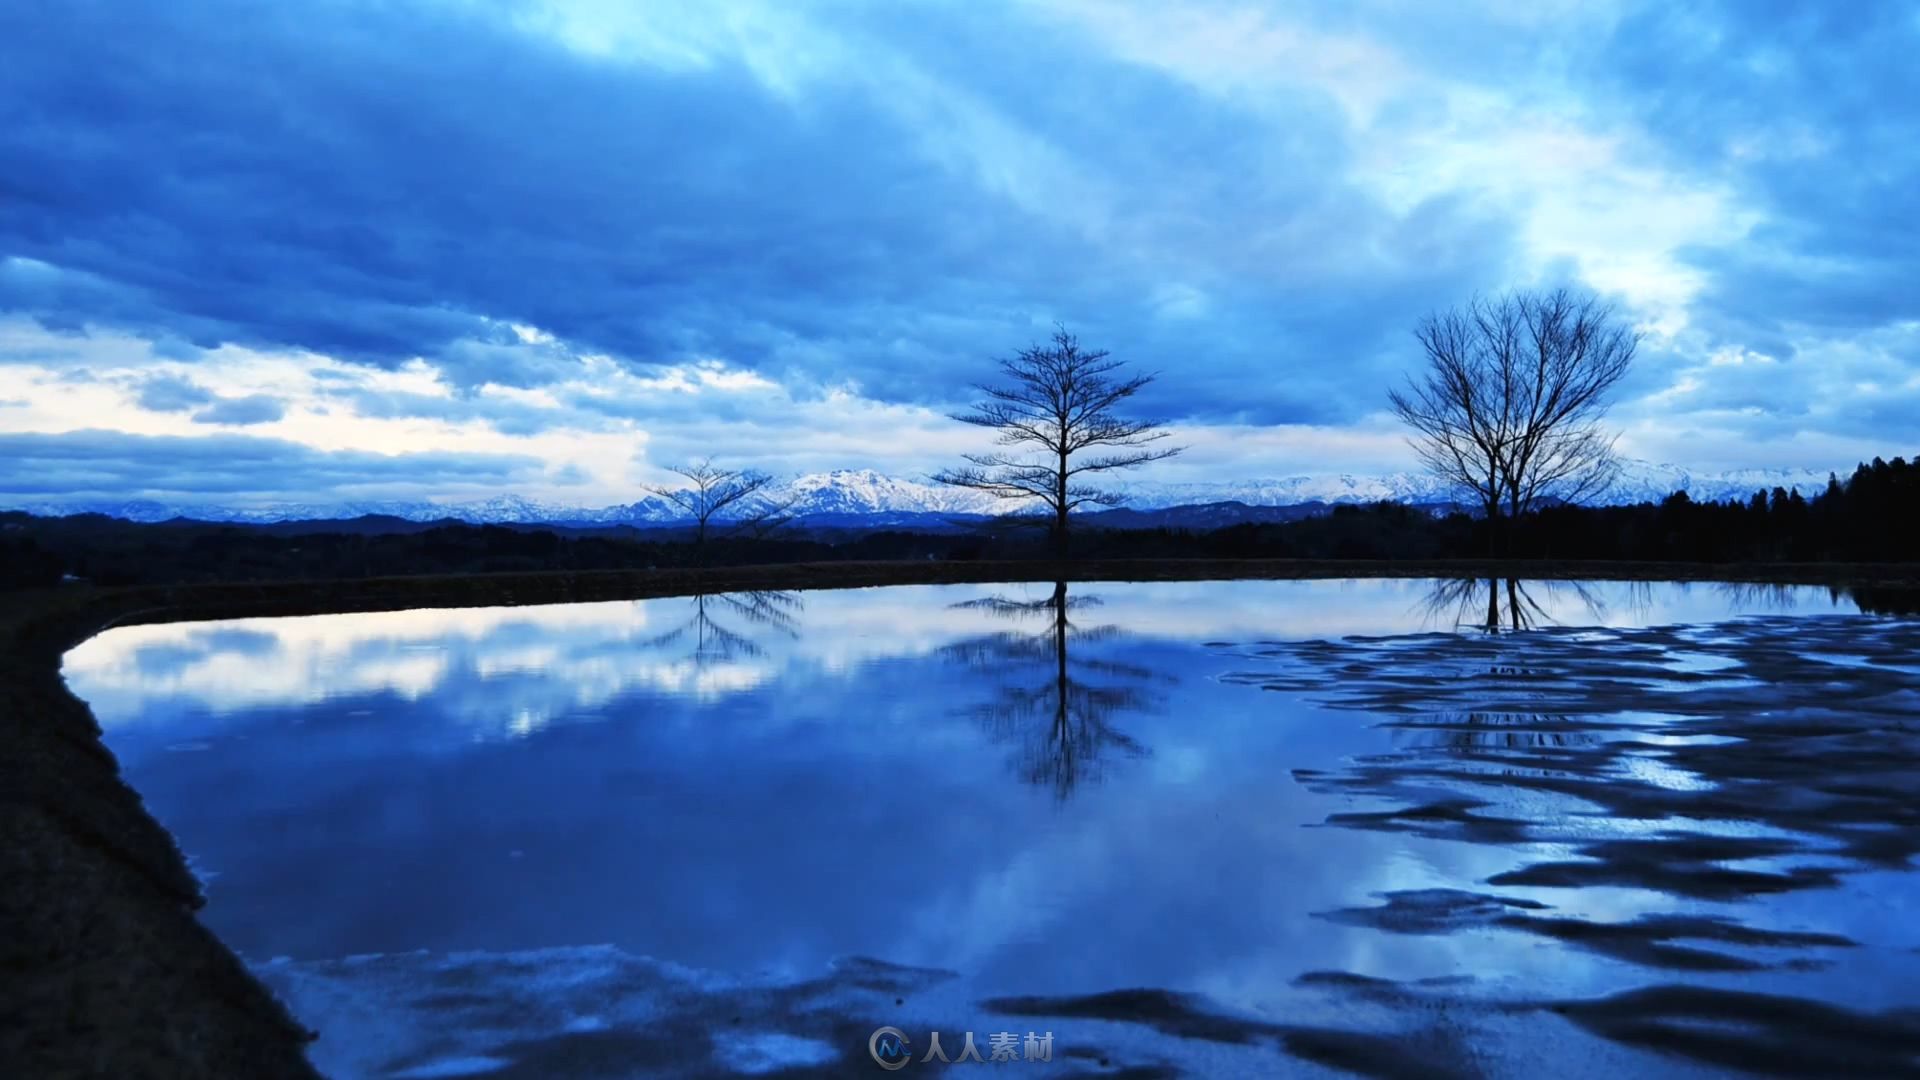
(1058, 402)
(1510, 406)
(1048, 699)
(715, 494)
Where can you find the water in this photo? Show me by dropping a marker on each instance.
(1298, 814)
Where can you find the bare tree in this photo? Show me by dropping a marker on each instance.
(1511, 404)
(1058, 401)
(714, 494)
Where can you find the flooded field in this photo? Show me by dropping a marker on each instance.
(1397, 828)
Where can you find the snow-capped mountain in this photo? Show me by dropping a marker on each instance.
(864, 491)
(862, 494)
(1641, 481)
(1294, 490)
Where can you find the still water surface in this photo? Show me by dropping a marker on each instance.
(1213, 789)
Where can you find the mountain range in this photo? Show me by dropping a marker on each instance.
(866, 498)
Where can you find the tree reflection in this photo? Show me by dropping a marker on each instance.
(1474, 732)
(1057, 705)
(1867, 599)
(1761, 595)
(1458, 601)
(1881, 600)
(1511, 604)
(711, 627)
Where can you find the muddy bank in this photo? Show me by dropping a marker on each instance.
(108, 971)
(104, 968)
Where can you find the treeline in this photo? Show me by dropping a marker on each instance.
(108, 551)
(1873, 516)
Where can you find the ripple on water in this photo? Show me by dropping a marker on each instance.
(1506, 828)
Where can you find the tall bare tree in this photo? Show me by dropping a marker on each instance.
(1059, 401)
(713, 494)
(1511, 405)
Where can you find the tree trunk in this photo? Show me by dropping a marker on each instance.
(1060, 510)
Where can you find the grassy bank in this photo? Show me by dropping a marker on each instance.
(107, 971)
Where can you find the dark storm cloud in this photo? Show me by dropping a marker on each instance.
(378, 182)
(110, 464)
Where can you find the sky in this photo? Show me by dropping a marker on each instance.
(448, 249)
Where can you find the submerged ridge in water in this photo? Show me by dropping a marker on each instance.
(1213, 828)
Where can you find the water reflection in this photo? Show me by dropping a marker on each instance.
(1697, 787)
(1496, 604)
(1767, 738)
(1499, 732)
(710, 627)
(585, 655)
(1457, 601)
(1058, 706)
(1882, 600)
(1511, 604)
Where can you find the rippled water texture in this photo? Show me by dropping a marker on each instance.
(1228, 828)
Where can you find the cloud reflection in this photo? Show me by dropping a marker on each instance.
(503, 671)
(831, 789)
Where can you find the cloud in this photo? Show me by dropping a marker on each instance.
(242, 411)
(1799, 105)
(884, 213)
(83, 465)
(171, 393)
(584, 232)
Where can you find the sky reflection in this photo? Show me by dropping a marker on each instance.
(584, 655)
(1009, 781)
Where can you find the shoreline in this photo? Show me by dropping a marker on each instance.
(109, 971)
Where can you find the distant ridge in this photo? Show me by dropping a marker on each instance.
(864, 498)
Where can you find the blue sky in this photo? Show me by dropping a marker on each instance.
(357, 250)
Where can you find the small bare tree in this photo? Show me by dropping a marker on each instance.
(1511, 404)
(714, 494)
(1058, 401)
